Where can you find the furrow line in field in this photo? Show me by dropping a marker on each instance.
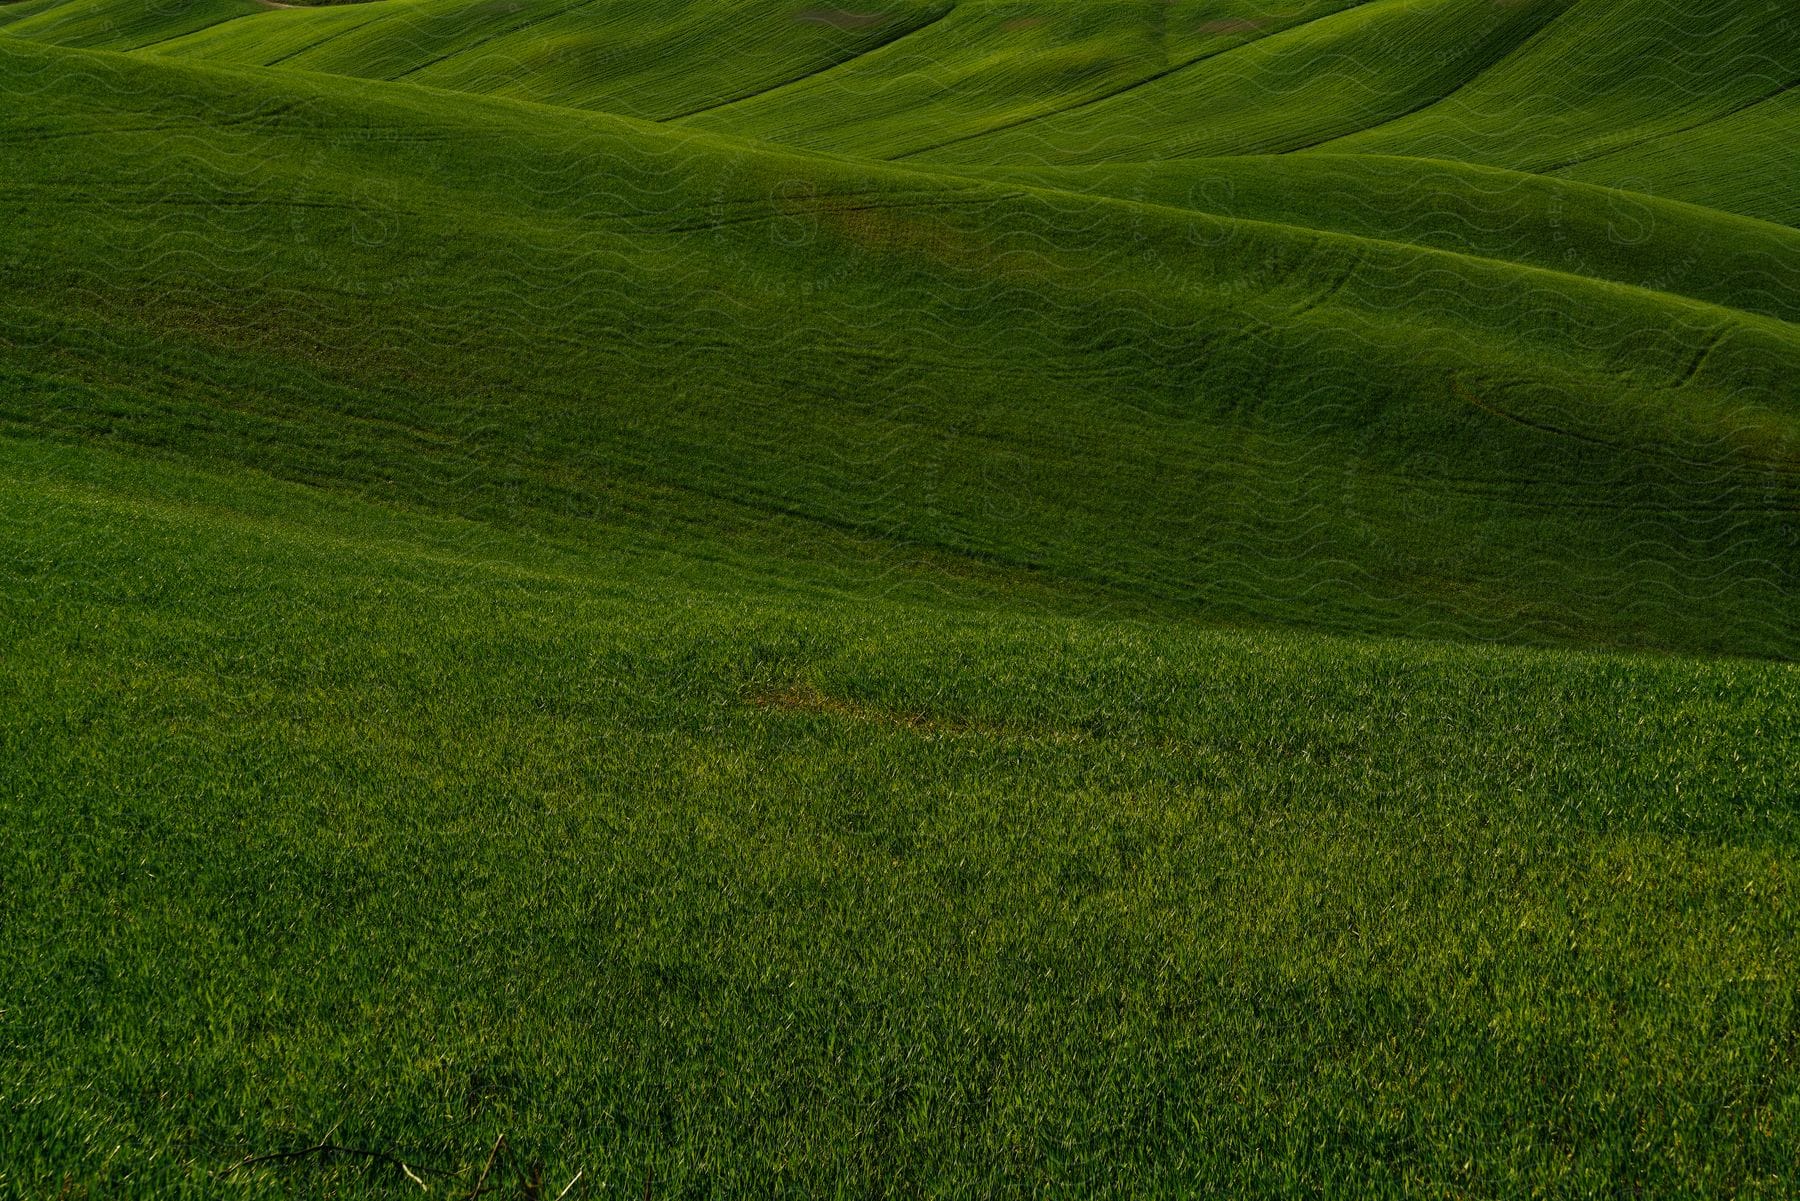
(1432, 102)
(1145, 81)
(492, 37)
(814, 73)
(1777, 94)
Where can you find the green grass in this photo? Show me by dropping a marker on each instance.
(650, 59)
(971, 598)
(117, 24)
(1491, 213)
(328, 818)
(1736, 162)
(1604, 77)
(1309, 425)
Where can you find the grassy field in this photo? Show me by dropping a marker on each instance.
(956, 597)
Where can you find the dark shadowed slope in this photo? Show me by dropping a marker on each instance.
(1243, 417)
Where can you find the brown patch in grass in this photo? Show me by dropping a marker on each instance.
(804, 698)
(899, 226)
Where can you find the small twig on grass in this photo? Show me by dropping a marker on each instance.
(481, 1180)
(327, 1147)
(569, 1187)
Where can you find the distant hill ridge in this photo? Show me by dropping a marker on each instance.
(1459, 317)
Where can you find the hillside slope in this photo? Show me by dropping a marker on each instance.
(953, 597)
(1250, 418)
(334, 821)
(1587, 86)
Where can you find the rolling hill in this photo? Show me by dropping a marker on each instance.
(955, 596)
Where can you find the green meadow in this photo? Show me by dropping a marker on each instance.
(689, 598)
